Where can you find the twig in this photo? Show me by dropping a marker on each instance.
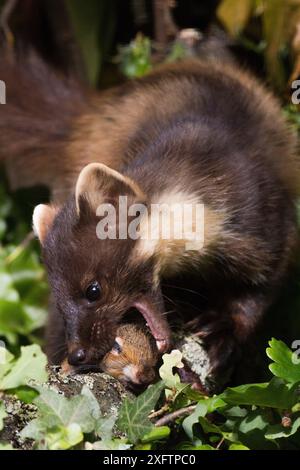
(220, 443)
(21, 247)
(159, 412)
(174, 415)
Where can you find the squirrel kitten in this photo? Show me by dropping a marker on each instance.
(133, 356)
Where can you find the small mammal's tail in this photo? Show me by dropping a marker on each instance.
(36, 120)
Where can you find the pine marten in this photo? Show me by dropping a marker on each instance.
(194, 133)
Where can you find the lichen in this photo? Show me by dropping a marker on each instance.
(107, 390)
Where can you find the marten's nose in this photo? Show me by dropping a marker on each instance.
(76, 357)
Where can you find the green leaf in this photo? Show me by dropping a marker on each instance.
(275, 29)
(277, 431)
(135, 59)
(203, 407)
(62, 421)
(275, 394)
(115, 444)
(103, 427)
(93, 23)
(203, 447)
(238, 446)
(235, 14)
(3, 414)
(250, 431)
(56, 409)
(284, 365)
(6, 446)
(6, 360)
(23, 393)
(3, 228)
(174, 359)
(133, 415)
(93, 403)
(7, 290)
(54, 437)
(30, 366)
(156, 434)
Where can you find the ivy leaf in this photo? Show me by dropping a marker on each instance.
(93, 403)
(62, 421)
(2, 414)
(30, 366)
(115, 444)
(283, 365)
(133, 415)
(6, 359)
(6, 446)
(174, 359)
(56, 409)
(54, 437)
(103, 426)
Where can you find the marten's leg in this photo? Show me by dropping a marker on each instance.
(228, 328)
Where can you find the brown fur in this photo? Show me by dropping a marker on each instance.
(217, 133)
(58, 127)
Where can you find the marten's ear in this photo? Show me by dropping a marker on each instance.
(97, 182)
(42, 220)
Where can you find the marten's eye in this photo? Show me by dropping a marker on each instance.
(117, 348)
(93, 292)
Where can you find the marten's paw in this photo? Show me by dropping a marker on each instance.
(188, 376)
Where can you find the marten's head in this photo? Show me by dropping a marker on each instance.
(95, 280)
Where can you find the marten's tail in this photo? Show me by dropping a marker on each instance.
(36, 121)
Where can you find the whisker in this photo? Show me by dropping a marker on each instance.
(169, 311)
(185, 290)
(60, 350)
(169, 299)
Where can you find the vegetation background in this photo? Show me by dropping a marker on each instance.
(104, 42)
